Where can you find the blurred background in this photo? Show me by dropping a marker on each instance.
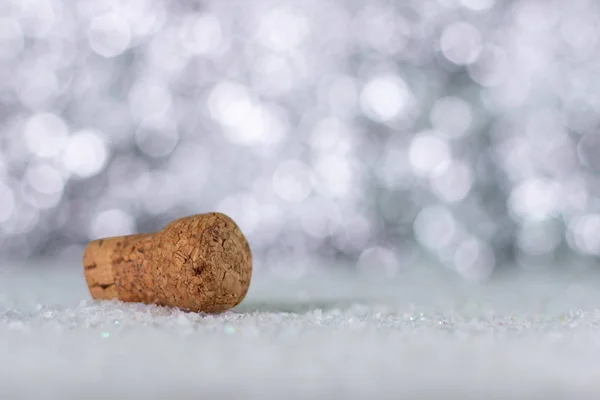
(377, 135)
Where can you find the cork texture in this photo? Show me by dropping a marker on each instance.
(197, 263)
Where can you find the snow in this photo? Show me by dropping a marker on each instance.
(328, 335)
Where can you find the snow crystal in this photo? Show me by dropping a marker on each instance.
(344, 338)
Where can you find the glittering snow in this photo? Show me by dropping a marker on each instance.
(322, 336)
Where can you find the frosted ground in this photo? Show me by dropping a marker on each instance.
(325, 335)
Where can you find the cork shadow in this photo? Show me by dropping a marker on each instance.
(295, 307)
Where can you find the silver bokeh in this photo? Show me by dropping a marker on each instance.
(365, 132)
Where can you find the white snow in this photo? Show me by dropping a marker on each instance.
(331, 335)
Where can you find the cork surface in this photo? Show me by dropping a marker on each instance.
(197, 263)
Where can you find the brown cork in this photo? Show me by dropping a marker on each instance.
(197, 263)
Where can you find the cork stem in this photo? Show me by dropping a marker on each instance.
(101, 261)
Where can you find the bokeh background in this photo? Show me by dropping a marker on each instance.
(375, 135)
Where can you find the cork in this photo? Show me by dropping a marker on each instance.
(200, 263)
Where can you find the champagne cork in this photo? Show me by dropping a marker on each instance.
(199, 263)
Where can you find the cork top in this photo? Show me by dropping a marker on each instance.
(198, 263)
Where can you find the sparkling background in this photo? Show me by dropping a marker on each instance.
(375, 134)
